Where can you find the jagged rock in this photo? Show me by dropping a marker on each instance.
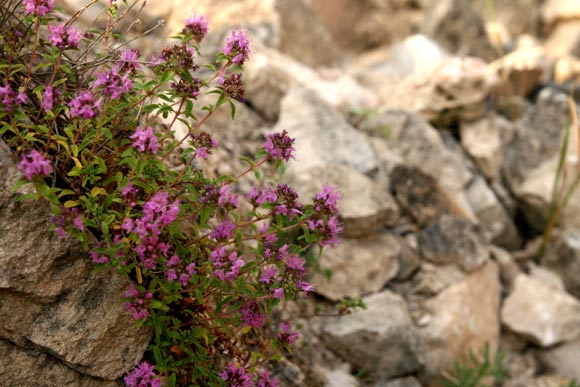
(458, 26)
(52, 299)
(381, 339)
(454, 91)
(546, 276)
(409, 381)
(432, 279)
(29, 367)
(520, 71)
(339, 378)
(554, 11)
(364, 207)
(269, 75)
(409, 260)
(452, 240)
(323, 137)
(531, 158)
(365, 24)
(464, 316)
(562, 359)
(492, 215)
(509, 269)
(549, 317)
(484, 141)
(359, 266)
(420, 195)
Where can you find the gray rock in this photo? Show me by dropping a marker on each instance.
(381, 339)
(464, 316)
(421, 196)
(564, 259)
(29, 367)
(458, 26)
(562, 359)
(450, 239)
(364, 207)
(432, 279)
(548, 317)
(323, 137)
(359, 266)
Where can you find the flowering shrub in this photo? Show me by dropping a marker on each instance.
(205, 275)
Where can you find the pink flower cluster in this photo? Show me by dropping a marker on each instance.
(237, 48)
(139, 303)
(34, 164)
(145, 140)
(143, 376)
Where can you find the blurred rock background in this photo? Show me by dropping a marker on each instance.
(441, 121)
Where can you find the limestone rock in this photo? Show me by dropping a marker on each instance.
(562, 359)
(484, 141)
(549, 317)
(463, 316)
(364, 207)
(432, 279)
(381, 339)
(559, 10)
(323, 137)
(564, 260)
(365, 24)
(458, 26)
(269, 75)
(359, 266)
(564, 41)
(20, 367)
(450, 239)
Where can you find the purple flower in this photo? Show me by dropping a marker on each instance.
(171, 275)
(265, 381)
(129, 61)
(34, 164)
(235, 376)
(196, 26)
(251, 315)
(295, 263)
(174, 260)
(224, 230)
(227, 198)
(270, 272)
(287, 201)
(84, 105)
(232, 86)
(203, 144)
(48, 97)
(234, 265)
(287, 336)
(143, 376)
(113, 83)
(326, 201)
(305, 287)
(38, 7)
(278, 293)
(280, 146)
(145, 140)
(64, 37)
(139, 304)
(237, 48)
(184, 279)
(9, 99)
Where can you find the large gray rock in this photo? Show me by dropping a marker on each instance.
(51, 299)
(364, 207)
(451, 240)
(29, 367)
(542, 314)
(464, 316)
(323, 137)
(359, 266)
(381, 339)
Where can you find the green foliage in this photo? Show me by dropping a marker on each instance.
(474, 371)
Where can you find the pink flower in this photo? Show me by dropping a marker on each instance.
(84, 105)
(196, 26)
(143, 376)
(34, 164)
(38, 7)
(280, 146)
(237, 48)
(145, 140)
(251, 315)
(64, 37)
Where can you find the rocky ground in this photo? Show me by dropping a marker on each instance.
(442, 123)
